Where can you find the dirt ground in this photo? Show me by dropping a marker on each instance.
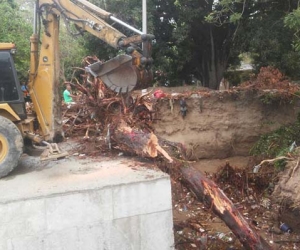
(220, 124)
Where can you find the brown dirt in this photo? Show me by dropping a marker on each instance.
(221, 124)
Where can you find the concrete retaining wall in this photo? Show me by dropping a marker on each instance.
(127, 210)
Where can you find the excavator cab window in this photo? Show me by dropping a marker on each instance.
(10, 89)
(8, 85)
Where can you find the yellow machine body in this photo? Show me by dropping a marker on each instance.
(44, 86)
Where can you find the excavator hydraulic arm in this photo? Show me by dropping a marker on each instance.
(121, 74)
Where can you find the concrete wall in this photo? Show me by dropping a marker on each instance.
(132, 210)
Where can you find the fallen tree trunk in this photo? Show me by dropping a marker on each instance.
(207, 191)
(213, 197)
(139, 142)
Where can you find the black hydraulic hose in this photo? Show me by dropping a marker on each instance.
(62, 11)
(66, 18)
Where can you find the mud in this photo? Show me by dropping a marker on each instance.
(221, 124)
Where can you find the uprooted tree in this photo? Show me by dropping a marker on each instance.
(124, 121)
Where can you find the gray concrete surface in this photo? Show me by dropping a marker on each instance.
(89, 204)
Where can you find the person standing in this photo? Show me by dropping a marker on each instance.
(68, 97)
(25, 92)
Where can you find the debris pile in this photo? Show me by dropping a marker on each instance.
(270, 78)
(109, 120)
(98, 110)
(197, 228)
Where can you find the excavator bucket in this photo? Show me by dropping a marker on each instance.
(119, 74)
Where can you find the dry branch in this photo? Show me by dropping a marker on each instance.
(275, 159)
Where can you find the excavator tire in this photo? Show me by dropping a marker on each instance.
(11, 146)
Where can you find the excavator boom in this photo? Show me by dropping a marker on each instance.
(90, 18)
(121, 74)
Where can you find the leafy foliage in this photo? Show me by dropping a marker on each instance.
(278, 142)
(226, 11)
(14, 28)
(292, 20)
(189, 44)
(264, 33)
(72, 50)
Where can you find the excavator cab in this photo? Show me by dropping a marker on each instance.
(12, 111)
(10, 89)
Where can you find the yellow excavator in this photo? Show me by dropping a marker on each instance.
(121, 74)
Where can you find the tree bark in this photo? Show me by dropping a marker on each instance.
(139, 142)
(147, 144)
(211, 62)
(213, 197)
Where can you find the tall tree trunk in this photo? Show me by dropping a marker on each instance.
(212, 61)
(213, 79)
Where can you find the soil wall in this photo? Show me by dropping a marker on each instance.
(221, 124)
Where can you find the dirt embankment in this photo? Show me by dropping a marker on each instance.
(221, 124)
(287, 192)
(226, 124)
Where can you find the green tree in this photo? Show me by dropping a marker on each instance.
(292, 21)
(14, 28)
(262, 33)
(129, 11)
(203, 38)
(189, 44)
(72, 51)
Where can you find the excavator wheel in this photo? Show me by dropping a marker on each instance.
(11, 146)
